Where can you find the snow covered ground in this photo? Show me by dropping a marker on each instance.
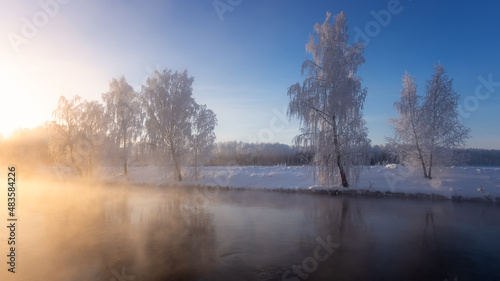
(395, 180)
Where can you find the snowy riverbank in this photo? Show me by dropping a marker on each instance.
(449, 182)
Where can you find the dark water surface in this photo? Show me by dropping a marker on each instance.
(115, 232)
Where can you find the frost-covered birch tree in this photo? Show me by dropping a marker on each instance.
(202, 137)
(123, 111)
(169, 106)
(409, 127)
(76, 134)
(92, 129)
(63, 133)
(427, 131)
(444, 130)
(329, 102)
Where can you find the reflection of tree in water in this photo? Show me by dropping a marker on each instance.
(85, 234)
(429, 225)
(78, 232)
(425, 248)
(178, 242)
(431, 248)
(342, 219)
(90, 235)
(411, 243)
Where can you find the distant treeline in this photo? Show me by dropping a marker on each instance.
(29, 147)
(235, 153)
(480, 157)
(381, 154)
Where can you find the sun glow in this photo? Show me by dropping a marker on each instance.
(19, 107)
(31, 86)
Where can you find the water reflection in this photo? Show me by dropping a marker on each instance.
(381, 239)
(178, 242)
(91, 236)
(100, 232)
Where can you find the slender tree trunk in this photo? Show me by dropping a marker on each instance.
(342, 172)
(339, 157)
(125, 152)
(177, 170)
(429, 175)
(196, 163)
(421, 160)
(433, 139)
(419, 150)
(423, 164)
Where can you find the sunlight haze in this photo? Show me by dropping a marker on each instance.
(243, 64)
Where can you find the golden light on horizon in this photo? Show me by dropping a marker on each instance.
(20, 109)
(31, 86)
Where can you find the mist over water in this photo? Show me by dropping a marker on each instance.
(70, 230)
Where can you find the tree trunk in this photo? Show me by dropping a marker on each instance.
(423, 167)
(125, 152)
(429, 175)
(422, 160)
(419, 151)
(177, 170)
(179, 176)
(433, 139)
(342, 172)
(196, 164)
(339, 158)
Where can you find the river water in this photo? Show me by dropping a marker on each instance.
(87, 231)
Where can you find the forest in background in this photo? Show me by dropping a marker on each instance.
(29, 148)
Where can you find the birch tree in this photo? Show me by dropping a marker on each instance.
(329, 102)
(124, 114)
(409, 140)
(64, 133)
(428, 131)
(444, 130)
(76, 134)
(202, 137)
(92, 130)
(169, 106)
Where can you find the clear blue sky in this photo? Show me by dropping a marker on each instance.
(244, 63)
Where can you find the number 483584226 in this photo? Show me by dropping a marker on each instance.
(11, 199)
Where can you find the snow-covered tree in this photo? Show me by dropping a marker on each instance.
(169, 106)
(64, 133)
(329, 102)
(202, 137)
(123, 111)
(428, 132)
(92, 133)
(76, 134)
(444, 130)
(409, 139)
